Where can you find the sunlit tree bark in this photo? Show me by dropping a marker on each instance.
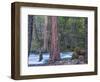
(45, 33)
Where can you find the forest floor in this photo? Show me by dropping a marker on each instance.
(68, 62)
(66, 59)
(61, 62)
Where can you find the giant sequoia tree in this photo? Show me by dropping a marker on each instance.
(54, 53)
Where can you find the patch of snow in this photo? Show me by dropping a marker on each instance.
(34, 58)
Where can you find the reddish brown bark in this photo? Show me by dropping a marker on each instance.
(54, 54)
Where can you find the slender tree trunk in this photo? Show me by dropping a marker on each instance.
(35, 28)
(54, 54)
(45, 34)
(30, 30)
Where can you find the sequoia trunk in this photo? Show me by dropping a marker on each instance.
(54, 54)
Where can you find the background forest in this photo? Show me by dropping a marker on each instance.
(69, 34)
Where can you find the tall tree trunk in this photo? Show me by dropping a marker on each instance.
(45, 34)
(30, 30)
(54, 54)
(35, 28)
